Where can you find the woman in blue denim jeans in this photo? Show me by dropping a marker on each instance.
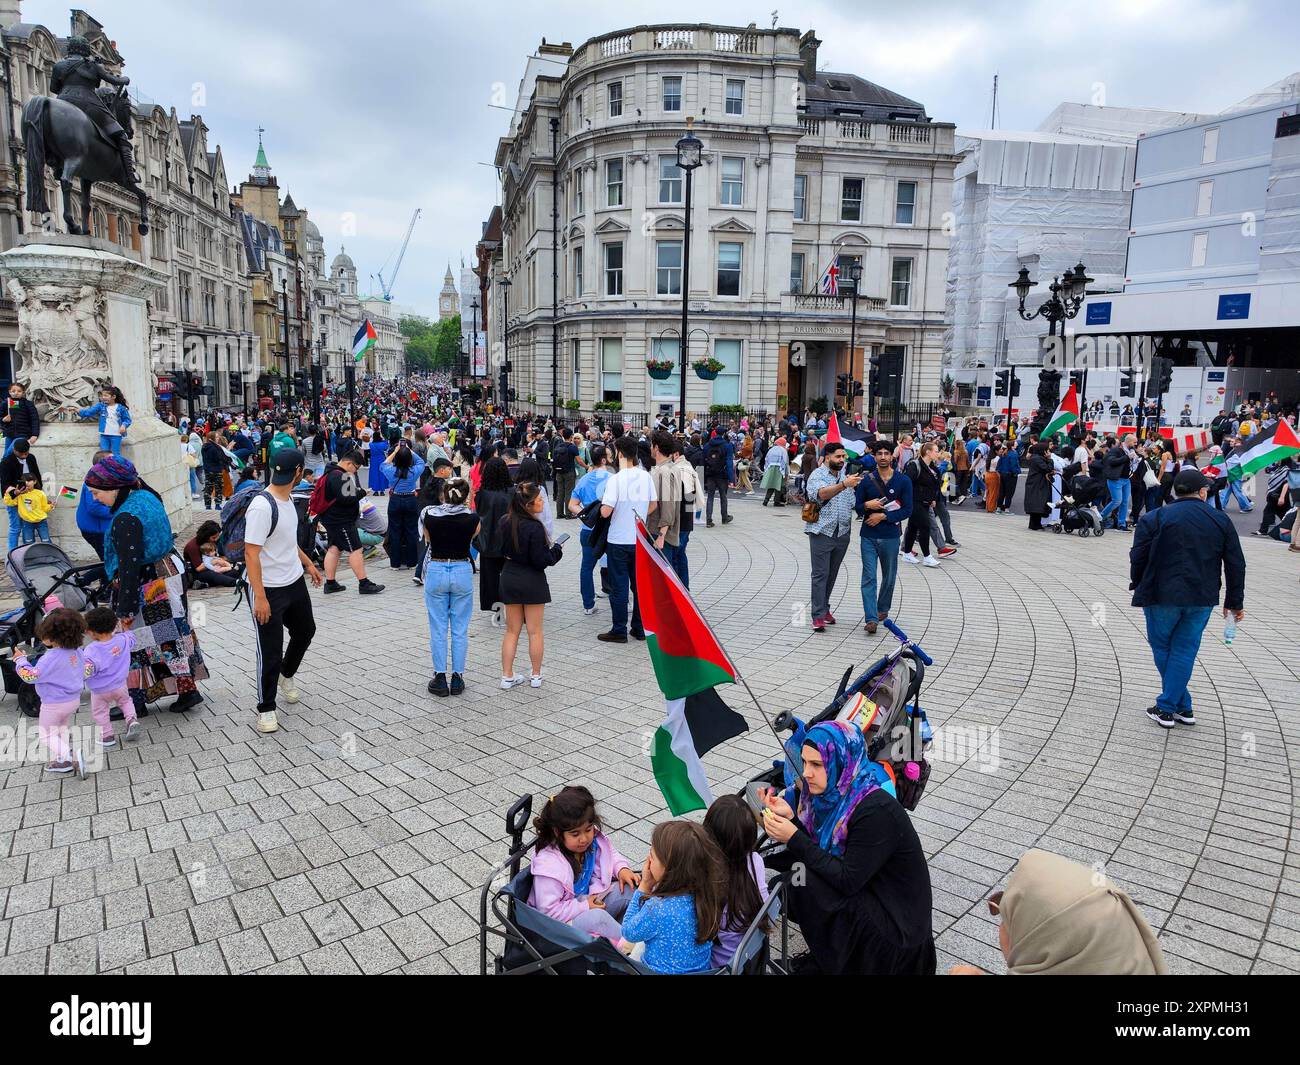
(448, 529)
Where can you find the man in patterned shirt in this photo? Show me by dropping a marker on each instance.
(828, 536)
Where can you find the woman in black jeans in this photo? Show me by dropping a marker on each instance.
(490, 503)
(925, 490)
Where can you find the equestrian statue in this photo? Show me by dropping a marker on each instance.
(82, 131)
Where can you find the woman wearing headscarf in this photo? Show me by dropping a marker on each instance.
(864, 902)
(148, 579)
(776, 464)
(1038, 486)
(377, 450)
(1060, 918)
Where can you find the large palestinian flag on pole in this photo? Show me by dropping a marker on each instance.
(688, 661)
(853, 439)
(1272, 445)
(364, 340)
(1066, 414)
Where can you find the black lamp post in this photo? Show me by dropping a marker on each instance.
(855, 277)
(1067, 296)
(316, 371)
(689, 149)
(473, 336)
(505, 342)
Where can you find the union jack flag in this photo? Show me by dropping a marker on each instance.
(830, 284)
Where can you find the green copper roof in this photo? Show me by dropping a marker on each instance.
(261, 156)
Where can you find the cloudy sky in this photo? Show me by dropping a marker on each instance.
(372, 110)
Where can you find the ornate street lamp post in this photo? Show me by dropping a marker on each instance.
(1067, 296)
(689, 149)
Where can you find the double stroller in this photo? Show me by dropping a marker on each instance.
(534, 943)
(38, 571)
(1079, 513)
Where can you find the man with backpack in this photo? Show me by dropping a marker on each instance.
(277, 571)
(719, 472)
(564, 458)
(336, 503)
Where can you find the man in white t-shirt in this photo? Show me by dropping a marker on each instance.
(629, 494)
(277, 578)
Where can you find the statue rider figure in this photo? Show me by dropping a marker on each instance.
(75, 79)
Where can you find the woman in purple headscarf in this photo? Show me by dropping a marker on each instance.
(148, 578)
(863, 899)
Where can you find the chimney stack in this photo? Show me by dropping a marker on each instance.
(10, 13)
(808, 45)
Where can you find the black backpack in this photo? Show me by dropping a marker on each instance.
(715, 461)
(234, 516)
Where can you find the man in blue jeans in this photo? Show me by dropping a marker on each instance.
(589, 489)
(1174, 567)
(1117, 467)
(884, 501)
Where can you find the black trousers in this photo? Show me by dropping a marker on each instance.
(1007, 488)
(291, 610)
(403, 537)
(918, 529)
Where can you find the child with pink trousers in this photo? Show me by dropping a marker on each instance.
(108, 660)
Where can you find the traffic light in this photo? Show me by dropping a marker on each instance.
(1127, 382)
(873, 374)
(1162, 374)
(1015, 383)
(1001, 382)
(857, 388)
(842, 384)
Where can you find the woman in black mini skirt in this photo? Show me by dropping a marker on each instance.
(524, 590)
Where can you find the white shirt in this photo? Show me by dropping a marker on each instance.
(1082, 457)
(630, 492)
(112, 425)
(281, 565)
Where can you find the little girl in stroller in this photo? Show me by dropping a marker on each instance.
(1078, 506)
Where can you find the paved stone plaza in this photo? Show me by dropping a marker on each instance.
(356, 838)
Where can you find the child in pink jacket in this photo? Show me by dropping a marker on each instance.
(578, 876)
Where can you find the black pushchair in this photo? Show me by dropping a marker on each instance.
(1079, 513)
(39, 570)
(536, 944)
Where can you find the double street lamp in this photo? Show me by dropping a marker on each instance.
(689, 151)
(1067, 295)
(855, 277)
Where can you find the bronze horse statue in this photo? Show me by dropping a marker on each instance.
(60, 135)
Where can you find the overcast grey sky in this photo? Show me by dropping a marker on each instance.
(376, 109)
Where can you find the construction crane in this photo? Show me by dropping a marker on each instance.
(387, 286)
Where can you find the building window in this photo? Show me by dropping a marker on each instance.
(186, 296)
(735, 96)
(1200, 245)
(726, 386)
(615, 99)
(1210, 145)
(576, 367)
(577, 191)
(668, 268)
(577, 110)
(672, 94)
(844, 264)
(671, 387)
(851, 200)
(905, 203)
(205, 243)
(577, 273)
(614, 183)
(230, 307)
(900, 283)
(209, 302)
(611, 369)
(800, 197)
(614, 269)
(796, 271)
(733, 181)
(1204, 197)
(670, 180)
(729, 256)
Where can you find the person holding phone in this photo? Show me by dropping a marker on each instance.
(524, 589)
(884, 502)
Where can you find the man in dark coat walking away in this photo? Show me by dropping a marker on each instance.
(1038, 485)
(1174, 566)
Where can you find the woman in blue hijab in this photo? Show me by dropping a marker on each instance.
(863, 903)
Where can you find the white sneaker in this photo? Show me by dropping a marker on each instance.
(133, 731)
(907, 556)
(288, 690)
(266, 722)
(107, 743)
(535, 680)
(931, 561)
(511, 682)
(588, 610)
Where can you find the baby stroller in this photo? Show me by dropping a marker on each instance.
(1079, 513)
(536, 944)
(885, 703)
(39, 570)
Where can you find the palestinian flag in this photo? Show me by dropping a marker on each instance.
(1272, 445)
(855, 441)
(1066, 414)
(68, 492)
(688, 662)
(364, 340)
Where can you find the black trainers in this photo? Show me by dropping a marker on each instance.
(611, 637)
(368, 587)
(1185, 717)
(438, 686)
(332, 586)
(709, 525)
(1162, 719)
(457, 684)
(186, 702)
(727, 519)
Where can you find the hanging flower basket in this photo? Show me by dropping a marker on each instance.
(660, 369)
(708, 369)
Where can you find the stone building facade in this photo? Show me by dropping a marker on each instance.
(802, 168)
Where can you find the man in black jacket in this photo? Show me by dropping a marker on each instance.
(1117, 467)
(21, 421)
(343, 493)
(18, 464)
(1174, 569)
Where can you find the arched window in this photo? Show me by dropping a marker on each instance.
(100, 224)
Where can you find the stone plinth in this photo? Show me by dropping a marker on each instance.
(83, 322)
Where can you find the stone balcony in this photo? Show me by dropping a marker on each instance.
(658, 40)
(819, 303)
(927, 138)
